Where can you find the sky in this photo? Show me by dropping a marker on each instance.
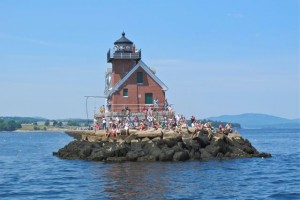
(216, 57)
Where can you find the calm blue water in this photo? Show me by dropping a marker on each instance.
(29, 171)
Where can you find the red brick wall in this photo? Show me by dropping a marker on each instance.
(119, 69)
(134, 89)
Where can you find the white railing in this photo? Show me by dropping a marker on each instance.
(136, 107)
(133, 109)
(123, 55)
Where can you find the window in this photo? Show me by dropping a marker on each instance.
(148, 98)
(139, 77)
(125, 92)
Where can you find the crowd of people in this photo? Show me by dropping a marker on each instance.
(152, 117)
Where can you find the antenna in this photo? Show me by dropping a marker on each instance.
(86, 106)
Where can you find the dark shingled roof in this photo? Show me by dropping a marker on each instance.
(123, 40)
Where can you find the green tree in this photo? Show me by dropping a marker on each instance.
(60, 124)
(2, 125)
(54, 123)
(73, 123)
(9, 125)
(47, 123)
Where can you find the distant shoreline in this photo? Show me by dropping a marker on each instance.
(37, 131)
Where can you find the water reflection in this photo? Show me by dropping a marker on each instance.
(135, 180)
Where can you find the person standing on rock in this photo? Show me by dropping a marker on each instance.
(150, 120)
(228, 128)
(126, 127)
(117, 120)
(177, 118)
(144, 110)
(155, 102)
(221, 127)
(104, 123)
(193, 119)
(170, 110)
(108, 105)
(149, 112)
(102, 109)
(166, 105)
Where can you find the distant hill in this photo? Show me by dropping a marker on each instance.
(253, 120)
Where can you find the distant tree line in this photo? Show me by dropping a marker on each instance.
(9, 125)
(22, 120)
(35, 120)
(77, 122)
(73, 122)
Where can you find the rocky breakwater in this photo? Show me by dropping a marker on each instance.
(161, 145)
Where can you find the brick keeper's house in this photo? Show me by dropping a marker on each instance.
(129, 82)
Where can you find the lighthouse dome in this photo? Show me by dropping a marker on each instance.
(123, 40)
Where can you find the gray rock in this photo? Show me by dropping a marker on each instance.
(263, 155)
(170, 142)
(166, 154)
(156, 139)
(120, 141)
(146, 158)
(136, 145)
(130, 137)
(174, 148)
(240, 146)
(228, 154)
(181, 156)
(191, 129)
(191, 144)
(205, 155)
(115, 149)
(220, 155)
(85, 152)
(97, 155)
(212, 150)
(180, 144)
(134, 155)
(197, 155)
(203, 139)
(146, 139)
(177, 148)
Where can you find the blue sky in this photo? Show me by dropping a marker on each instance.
(217, 57)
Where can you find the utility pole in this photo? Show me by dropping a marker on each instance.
(86, 106)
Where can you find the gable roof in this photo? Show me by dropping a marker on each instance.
(146, 69)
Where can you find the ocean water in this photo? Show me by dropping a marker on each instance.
(29, 171)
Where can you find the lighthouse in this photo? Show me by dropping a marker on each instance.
(129, 82)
